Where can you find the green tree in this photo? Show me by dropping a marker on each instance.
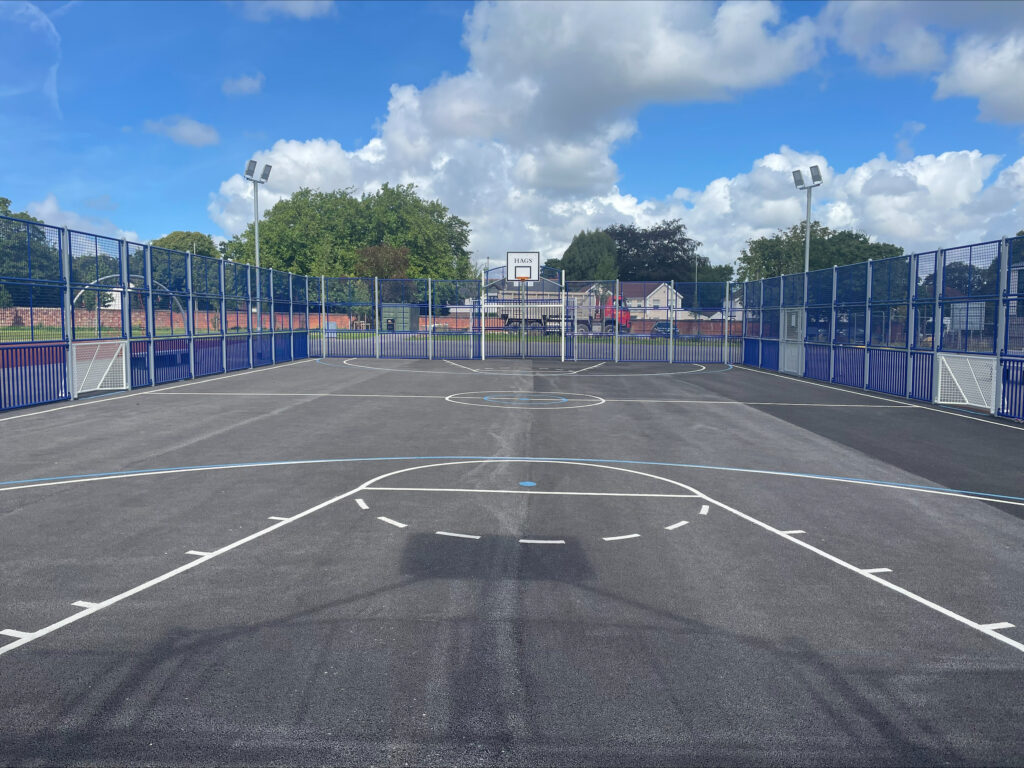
(590, 256)
(783, 252)
(715, 273)
(28, 251)
(387, 261)
(190, 242)
(661, 252)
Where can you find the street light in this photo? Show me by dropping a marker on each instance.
(250, 175)
(798, 180)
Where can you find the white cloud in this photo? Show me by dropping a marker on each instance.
(49, 210)
(992, 71)
(183, 130)
(264, 10)
(244, 85)
(30, 52)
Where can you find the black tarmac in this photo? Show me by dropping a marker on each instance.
(510, 562)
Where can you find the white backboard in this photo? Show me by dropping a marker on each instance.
(521, 265)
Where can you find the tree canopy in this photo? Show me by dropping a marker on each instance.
(590, 256)
(661, 252)
(783, 252)
(190, 242)
(328, 233)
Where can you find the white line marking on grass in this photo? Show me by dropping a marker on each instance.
(998, 625)
(620, 538)
(591, 367)
(29, 637)
(395, 523)
(704, 510)
(151, 391)
(542, 541)
(84, 604)
(879, 397)
(16, 633)
(464, 367)
(198, 553)
(275, 517)
(680, 524)
(537, 493)
(457, 535)
(876, 570)
(362, 504)
(792, 533)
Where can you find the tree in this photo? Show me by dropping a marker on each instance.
(29, 251)
(783, 252)
(191, 242)
(715, 273)
(661, 252)
(1020, 233)
(387, 261)
(590, 256)
(555, 264)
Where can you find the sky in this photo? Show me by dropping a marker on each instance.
(532, 121)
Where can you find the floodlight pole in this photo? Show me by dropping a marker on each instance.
(807, 234)
(256, 218)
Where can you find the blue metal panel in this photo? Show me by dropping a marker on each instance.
(237, 349)
(170, 358)
(1012, 404)
(816, 361)
(751, 352)
(349, 344)
(301, 343)
(262, 350)
(887, 371)
(770, 354)
(208, 357)
(921, 375)
(139, 361)
(282, 347)
(849, 366)
(32, 374)
(406, 345)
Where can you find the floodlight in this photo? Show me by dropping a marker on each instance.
(798, 179)
(815, 174)
(266, 174)
(250, 169)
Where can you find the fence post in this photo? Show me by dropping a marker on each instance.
(376, 317)
(483, 315)
(190, 319)
(564, 308)
(273, 317)
(323, 316)
(615, 322)
(867, 320)
(939, 278)
(1002, 305)
(126, 317)
(69, 316)
(727, 313)
(430, 319)
(147, 257)
(760, 327)
(291, 316)
(248, 309)
(832, 330)
(223, 318)
(911, 326)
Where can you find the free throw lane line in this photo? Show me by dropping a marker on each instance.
(620, 538)
(362, 504)
(457, 535)
(680, 524)
(395, 523)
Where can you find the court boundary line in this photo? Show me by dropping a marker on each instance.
(347, 362)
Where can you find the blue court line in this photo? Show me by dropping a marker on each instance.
(301, 462)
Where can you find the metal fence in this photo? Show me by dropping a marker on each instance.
(82, 312)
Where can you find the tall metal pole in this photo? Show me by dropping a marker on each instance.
(615, 314)
(807, 234)
(671, 313)
(430, 320)
(323, 316)
(69, 317)
(256, 219)
(376, 317)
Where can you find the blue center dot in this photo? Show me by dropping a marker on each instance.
(527, 483)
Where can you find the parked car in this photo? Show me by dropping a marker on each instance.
(661, 330)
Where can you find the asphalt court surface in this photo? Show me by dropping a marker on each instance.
(635, 564)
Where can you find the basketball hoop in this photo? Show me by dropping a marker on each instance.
(523, 278)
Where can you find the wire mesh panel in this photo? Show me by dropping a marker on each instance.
(32, 374)
(98, 366)
(651, 306)
(96, 287)
(970, 289)
(315, 300)
(792, 330)
(966, 380)
(351, 317)
(403, 318)
(137, 292)
(300, 343)
(1014, 338)
(698, 323)
(31, 282)
(170, 287)
(455, 314)
(591, 311)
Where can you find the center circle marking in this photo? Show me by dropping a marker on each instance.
(525, 400)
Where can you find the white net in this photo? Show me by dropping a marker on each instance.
(98, 366)
(966, 380)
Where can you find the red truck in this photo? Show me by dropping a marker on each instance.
(604, 317)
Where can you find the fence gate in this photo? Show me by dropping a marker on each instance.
(523, 319)
(98, 366)
(966, 380)
(791, 357)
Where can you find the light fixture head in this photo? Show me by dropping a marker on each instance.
(250, 169)
(265, 175)
(815, 174)
(798, 179)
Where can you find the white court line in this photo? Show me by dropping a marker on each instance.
(792, 533)
(542, 541)
(993, 421)
(998, 625)
(537, 493)
(395, 523)
(457, 365)
(17, 633)
(362, 504)
(742, 402)
(198, 553)
(680, 524)
(620, 538)
(25, 638)
(589, 368)
(457, 535)
(275, 517)
(704, 510)
(84, 604)
(876, 570)
(152, 391)
(298, 394)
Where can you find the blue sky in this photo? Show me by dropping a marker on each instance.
(532, 121)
